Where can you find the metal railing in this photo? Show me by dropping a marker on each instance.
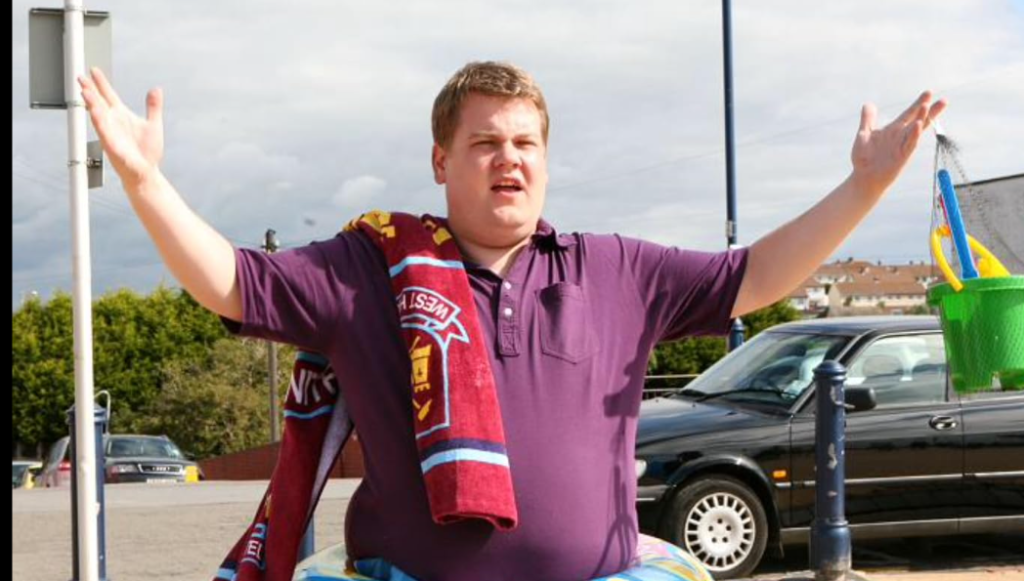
(665, 385)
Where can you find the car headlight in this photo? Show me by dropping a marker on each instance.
(641, 468)
(122, 468)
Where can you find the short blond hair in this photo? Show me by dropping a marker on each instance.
(495, 79)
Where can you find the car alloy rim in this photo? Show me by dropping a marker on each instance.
(719, 530)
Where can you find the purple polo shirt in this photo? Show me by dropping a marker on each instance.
(569, 332)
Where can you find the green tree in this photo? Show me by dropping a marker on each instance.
(136, 336)
(775, 314)
(133, 337)
(42, 370)
(216, 402)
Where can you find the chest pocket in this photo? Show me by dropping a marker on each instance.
(566, 331)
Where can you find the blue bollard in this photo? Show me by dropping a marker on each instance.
(830, 553)
(101, 416)
(736, 333)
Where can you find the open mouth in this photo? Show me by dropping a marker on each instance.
(507, 186)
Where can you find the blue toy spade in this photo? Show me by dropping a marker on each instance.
(956, 226)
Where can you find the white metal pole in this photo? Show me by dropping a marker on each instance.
(85, 456)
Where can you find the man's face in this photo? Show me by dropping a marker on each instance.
(494, 170)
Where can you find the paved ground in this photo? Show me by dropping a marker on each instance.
(154, 532)
(966, 558)
(180, 533)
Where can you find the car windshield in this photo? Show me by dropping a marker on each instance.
(58, 451)
(19, 474)
(147, 447)
(772, 369)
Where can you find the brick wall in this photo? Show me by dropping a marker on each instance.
(258, 463)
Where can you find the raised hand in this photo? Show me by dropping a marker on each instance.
(880, 154)
(134, 145)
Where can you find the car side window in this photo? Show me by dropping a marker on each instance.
(903, 370)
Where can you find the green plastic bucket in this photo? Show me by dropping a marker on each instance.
(983, 328)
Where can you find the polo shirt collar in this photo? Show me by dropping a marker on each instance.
(547, 236)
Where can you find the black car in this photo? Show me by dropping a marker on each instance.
(136, 458)
(726, 466)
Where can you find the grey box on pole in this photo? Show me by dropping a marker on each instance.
(46, 53)
(94, 164)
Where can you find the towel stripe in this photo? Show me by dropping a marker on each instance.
(415, 260)
(308, 416)
(463, 455)
(467, 443)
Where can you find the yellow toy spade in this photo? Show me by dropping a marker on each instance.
(988, 265)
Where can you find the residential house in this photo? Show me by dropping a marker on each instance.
(851, 287)
(881, 296)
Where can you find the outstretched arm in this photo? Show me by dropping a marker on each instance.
(781, 260)
(200, 258)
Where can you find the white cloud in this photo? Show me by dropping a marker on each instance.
(359, 192)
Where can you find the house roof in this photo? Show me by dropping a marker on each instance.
(879, 288)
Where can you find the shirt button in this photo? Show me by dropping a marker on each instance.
(507, 285)
(507, 312)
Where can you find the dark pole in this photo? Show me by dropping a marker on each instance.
(275, 431)
(270, 246)
(830, 534)
(736, 332)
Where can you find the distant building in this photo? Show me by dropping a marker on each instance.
(891, 297)
(840, 271)
(858, 287)
(810, 298)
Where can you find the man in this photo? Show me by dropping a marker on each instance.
(568, 321)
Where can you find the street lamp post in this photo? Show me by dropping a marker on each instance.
(736, 332)
(270, 246)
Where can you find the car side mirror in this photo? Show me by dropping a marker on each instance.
(861, 399)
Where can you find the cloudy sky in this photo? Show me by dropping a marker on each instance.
(299, 115)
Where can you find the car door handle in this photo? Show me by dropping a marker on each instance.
(942, 423)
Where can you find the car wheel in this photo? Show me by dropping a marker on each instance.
(721, 522)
